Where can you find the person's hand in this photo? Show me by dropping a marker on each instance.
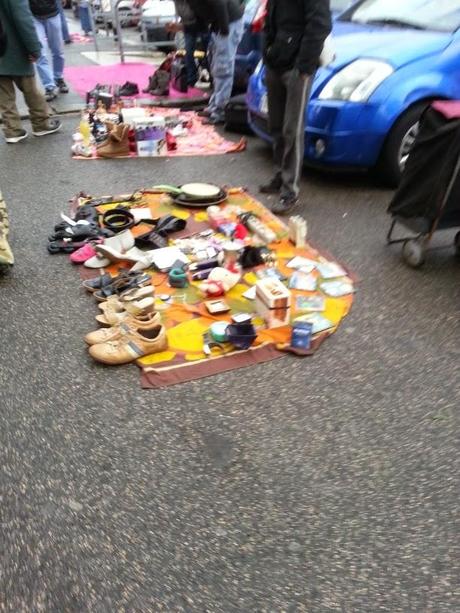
(173, 26)
(32, 59)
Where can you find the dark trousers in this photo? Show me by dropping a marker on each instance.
(194, 41)
(287, 98)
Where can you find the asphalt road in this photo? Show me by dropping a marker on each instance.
(315, 485)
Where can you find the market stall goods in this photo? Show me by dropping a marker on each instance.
(231, 288)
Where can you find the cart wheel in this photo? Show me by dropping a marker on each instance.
(457, 244)
(414, 252)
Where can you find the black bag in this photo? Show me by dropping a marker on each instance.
(236, 115)
(429, 170)
(3, 39)
(179, 80)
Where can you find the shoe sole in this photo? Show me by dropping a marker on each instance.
(16, 139)
(46, 132)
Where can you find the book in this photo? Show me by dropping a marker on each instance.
(330, 270)
(302, 281)
(336, 289)
(310, 303)
(305, 264)
(320, 323)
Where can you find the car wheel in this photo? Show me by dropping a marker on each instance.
(398, 144)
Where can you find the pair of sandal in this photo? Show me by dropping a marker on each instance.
(125, 284)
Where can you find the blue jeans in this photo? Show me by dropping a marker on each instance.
(50, 36)
(191, 40)
(64, 26)
(85, 20)
(223, 50)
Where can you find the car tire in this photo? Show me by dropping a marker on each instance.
(389, 168)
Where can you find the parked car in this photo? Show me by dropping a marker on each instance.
(155, 15)
(250, 49)
(393, 58)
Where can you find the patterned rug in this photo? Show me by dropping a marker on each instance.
(186, 318)
(200, 140)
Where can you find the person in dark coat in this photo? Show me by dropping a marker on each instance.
(295, 32)
(16, 68)
(225, 18)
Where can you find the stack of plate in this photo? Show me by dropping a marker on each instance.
(200, 195)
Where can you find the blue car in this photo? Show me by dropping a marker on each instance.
(250, 49)
(393, 57)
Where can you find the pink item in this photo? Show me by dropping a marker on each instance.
(84, 78)
(84, 253)
(449, 108)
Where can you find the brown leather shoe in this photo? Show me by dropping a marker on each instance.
(117, 144)
(128, 324)
(131, 346)
(114, 310)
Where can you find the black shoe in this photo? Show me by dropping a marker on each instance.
(53, 126)
(62, 86)
(285, 205)
(206, 112)
(129, 89)
(273, 187)
(50, 94)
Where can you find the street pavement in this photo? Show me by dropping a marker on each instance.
(303, 485)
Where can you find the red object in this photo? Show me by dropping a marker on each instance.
(171, 142)
(240, 232)
(259, 20)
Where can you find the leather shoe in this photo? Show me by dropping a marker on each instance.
(285, 205)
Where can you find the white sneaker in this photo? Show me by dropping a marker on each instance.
(17, 139)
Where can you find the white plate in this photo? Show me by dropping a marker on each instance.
(200, 190)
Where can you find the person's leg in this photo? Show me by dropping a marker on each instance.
(56, 45)
(276, 99)
(298, 89)
(224, 68)
(190, 46)
(43, 68)
(12, 126)
(212, 55)
(36, 103)
(64, 26)
(85, 20)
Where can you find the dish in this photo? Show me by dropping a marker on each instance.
(200, 191)
(181, 201)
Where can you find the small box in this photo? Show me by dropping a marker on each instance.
(275, 317)
(273, 293)
(150, 136)
(301, 335)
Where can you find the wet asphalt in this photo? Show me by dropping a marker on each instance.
(302, 485)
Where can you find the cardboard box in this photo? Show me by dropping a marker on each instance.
(273, 293)
(150, 136)
(274, 318)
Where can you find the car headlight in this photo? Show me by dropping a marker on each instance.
(357, 81)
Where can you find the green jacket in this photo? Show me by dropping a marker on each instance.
(19, 26)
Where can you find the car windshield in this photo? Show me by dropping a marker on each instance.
(440, 15)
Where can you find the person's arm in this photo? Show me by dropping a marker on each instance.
(318, 27)
(24, 24)
(222, 22)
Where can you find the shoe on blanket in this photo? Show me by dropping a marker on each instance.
(126, 325)
(131, 346)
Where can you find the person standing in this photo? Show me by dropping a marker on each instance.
(64, 26)
(85, 19)
(295, 33)
(226, 20)
(16, 68)
(196, 33)
(48, 26)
